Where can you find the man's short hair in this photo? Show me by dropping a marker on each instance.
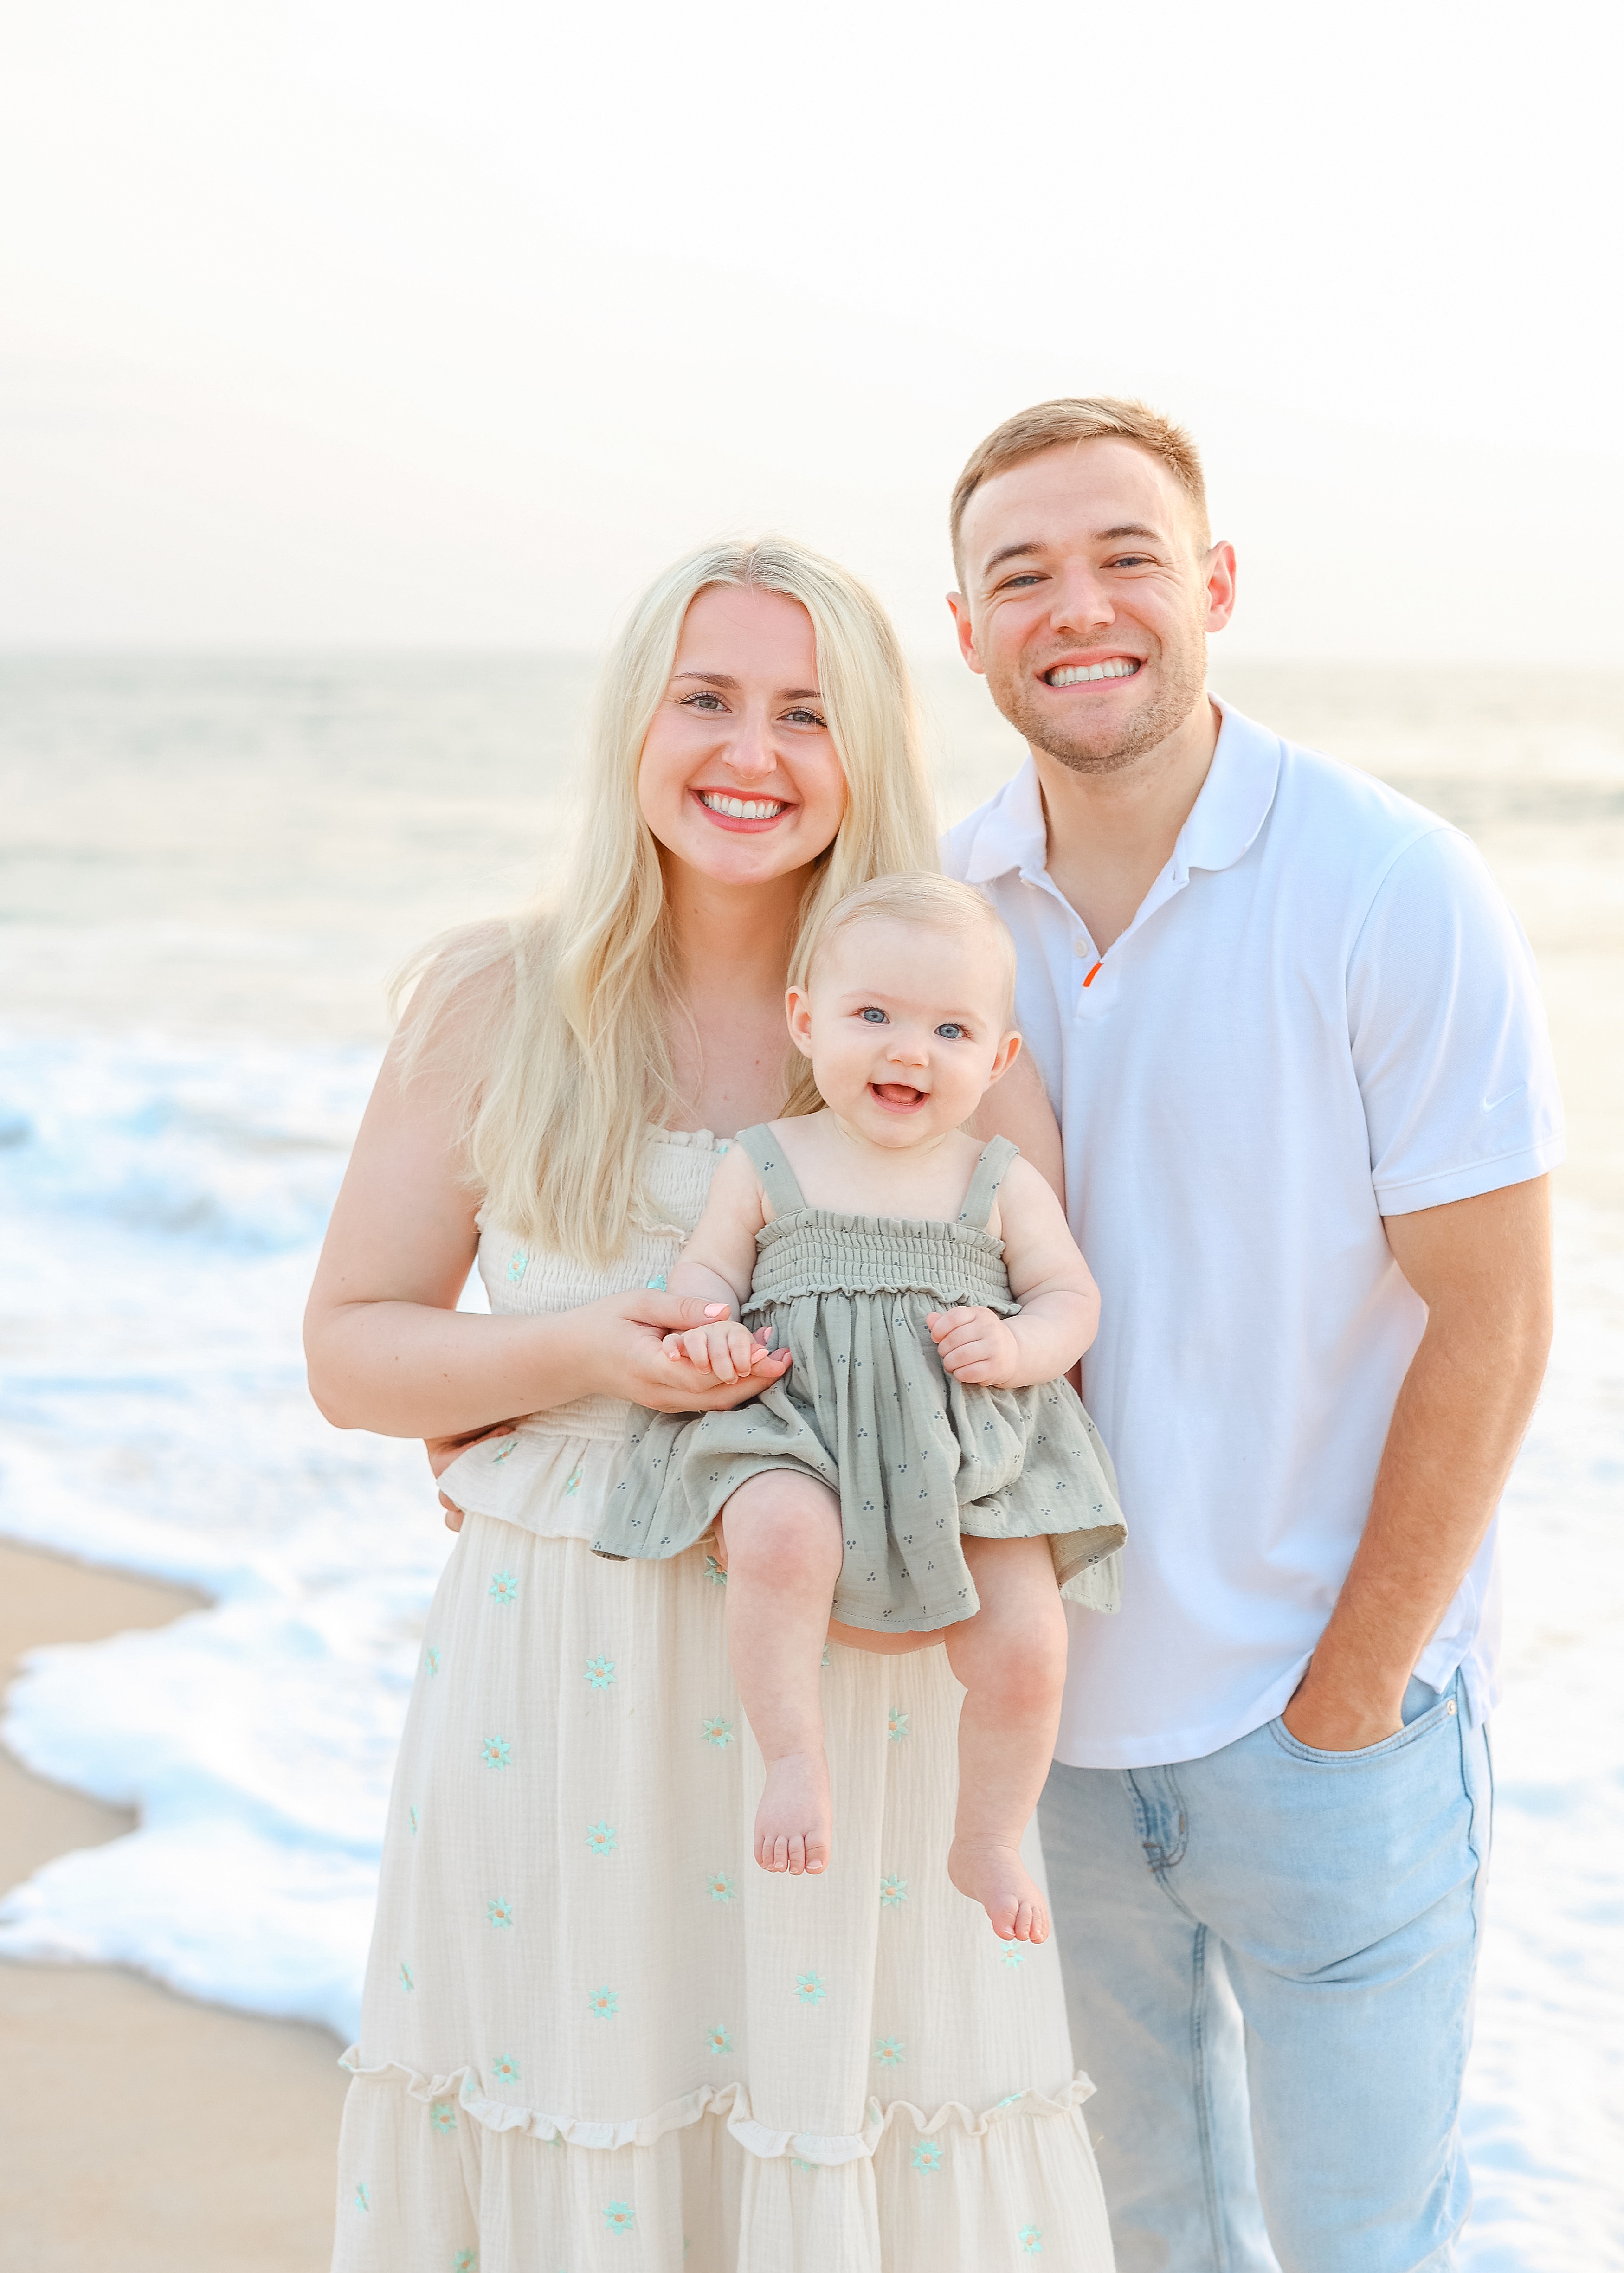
(1081, 418)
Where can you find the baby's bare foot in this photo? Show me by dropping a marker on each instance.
(997, 1879)
(792, 1824)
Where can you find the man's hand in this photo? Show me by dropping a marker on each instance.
(976, 1344)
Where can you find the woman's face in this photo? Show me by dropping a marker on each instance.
(739, 777)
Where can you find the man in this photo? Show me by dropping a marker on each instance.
(1293, 1035)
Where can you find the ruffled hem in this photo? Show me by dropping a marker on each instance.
(728, 2100)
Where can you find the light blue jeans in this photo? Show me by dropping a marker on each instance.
(1270, 1957)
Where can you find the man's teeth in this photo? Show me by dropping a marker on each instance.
(743, 808)
(1073, 674)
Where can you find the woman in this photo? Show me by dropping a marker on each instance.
(594, 2033)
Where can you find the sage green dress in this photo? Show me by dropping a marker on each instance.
(917, 1458)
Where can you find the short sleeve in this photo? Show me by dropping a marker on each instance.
(1450, 1045)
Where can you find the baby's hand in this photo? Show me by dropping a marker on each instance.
(975, 1343)
(726, 1350)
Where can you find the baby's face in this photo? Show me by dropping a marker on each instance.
(904, 1024)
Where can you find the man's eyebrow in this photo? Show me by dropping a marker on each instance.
(725, 680)
(1101, 536)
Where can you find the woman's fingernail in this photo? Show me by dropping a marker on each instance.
(716, 1310)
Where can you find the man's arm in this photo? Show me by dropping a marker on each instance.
(1483, 1268)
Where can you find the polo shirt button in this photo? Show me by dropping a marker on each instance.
(1078, 947)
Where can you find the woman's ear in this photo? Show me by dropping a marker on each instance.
(798, 1009)
(1008, 1051)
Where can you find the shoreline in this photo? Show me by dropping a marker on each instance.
(128, 2146)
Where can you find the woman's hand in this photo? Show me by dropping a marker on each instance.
(443, 1450)
(624, 1345)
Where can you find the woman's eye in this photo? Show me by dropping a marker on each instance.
(802, 718)
(875, 1017)
(705, 700)
(950, 1032)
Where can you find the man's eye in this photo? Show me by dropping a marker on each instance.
(1018, 584)
(875, 1017)
(950, 1032)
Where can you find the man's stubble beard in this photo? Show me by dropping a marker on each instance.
(1181, 688)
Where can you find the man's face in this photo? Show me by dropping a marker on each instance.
(1087, 601)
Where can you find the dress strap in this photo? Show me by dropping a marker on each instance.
(764, 1149)
(990, 1170)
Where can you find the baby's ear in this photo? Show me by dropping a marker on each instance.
(1008, 1051)
(798, 1011)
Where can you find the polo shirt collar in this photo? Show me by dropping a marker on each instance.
(1232, 807)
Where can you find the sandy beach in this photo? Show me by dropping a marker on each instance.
(194, 2130)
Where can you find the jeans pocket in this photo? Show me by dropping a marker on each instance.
(1413, 1732)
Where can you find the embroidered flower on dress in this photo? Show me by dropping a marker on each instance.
(714, 1571)
(430, 1661)
(496, 1752)
(897, 1725)
(599, 1672)
(499, 1913)
(657, 1284)
(718, 1732)
(467, 2261)
(518, 1264)
(573, 1484)
(406, 1980)
(603, 2004)
(1011, 2099)
(926, 2155)
(620, 2217)
(808, 1988)
(719, 2040)
(411, 1817)
(1031, 2239)
(893, 1892)
(888, 2052)
(1014, 1954)
(505, 2070)
(443, 2114)
(600, 1837)
(721, 1887)
(361, 2202)
(504, 1587)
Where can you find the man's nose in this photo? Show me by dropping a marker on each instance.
(1080, 602)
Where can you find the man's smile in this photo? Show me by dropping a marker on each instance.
(1078, 674)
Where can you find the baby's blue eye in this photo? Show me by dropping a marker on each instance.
(875, 1017)
(950, 1032)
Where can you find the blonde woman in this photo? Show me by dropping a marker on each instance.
(594, 2033)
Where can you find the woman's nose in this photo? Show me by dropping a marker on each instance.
(750, 752)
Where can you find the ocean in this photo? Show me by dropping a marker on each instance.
(208, 869)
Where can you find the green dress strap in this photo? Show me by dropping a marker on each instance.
(990, 1170)
(765, 1152)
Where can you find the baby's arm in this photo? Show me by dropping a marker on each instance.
(1059, 1302)
(716, 1266)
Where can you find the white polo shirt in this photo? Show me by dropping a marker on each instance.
(1323, 1013)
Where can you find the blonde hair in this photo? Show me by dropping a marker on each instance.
(1081, 418)
(933, 901)
(555, 1024)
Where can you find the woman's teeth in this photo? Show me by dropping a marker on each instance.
(1073, 674)
(743, 808)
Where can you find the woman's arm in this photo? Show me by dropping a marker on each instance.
(387, 1349)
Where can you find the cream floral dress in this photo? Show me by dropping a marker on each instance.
(595, 2034)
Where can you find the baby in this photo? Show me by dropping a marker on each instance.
(924, 1466)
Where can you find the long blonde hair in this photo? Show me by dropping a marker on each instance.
(553, 1025)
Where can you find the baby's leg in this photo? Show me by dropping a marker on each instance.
(1011, 1658)
(782, 1541)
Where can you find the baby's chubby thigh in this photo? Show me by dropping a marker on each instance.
(1014, 1648)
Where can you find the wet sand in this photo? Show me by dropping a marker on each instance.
(150, 2132)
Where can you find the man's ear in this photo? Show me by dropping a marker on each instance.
(959, 608)
(798, 1009)
(1009, 1050)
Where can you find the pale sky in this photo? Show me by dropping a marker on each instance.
(338, 323)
